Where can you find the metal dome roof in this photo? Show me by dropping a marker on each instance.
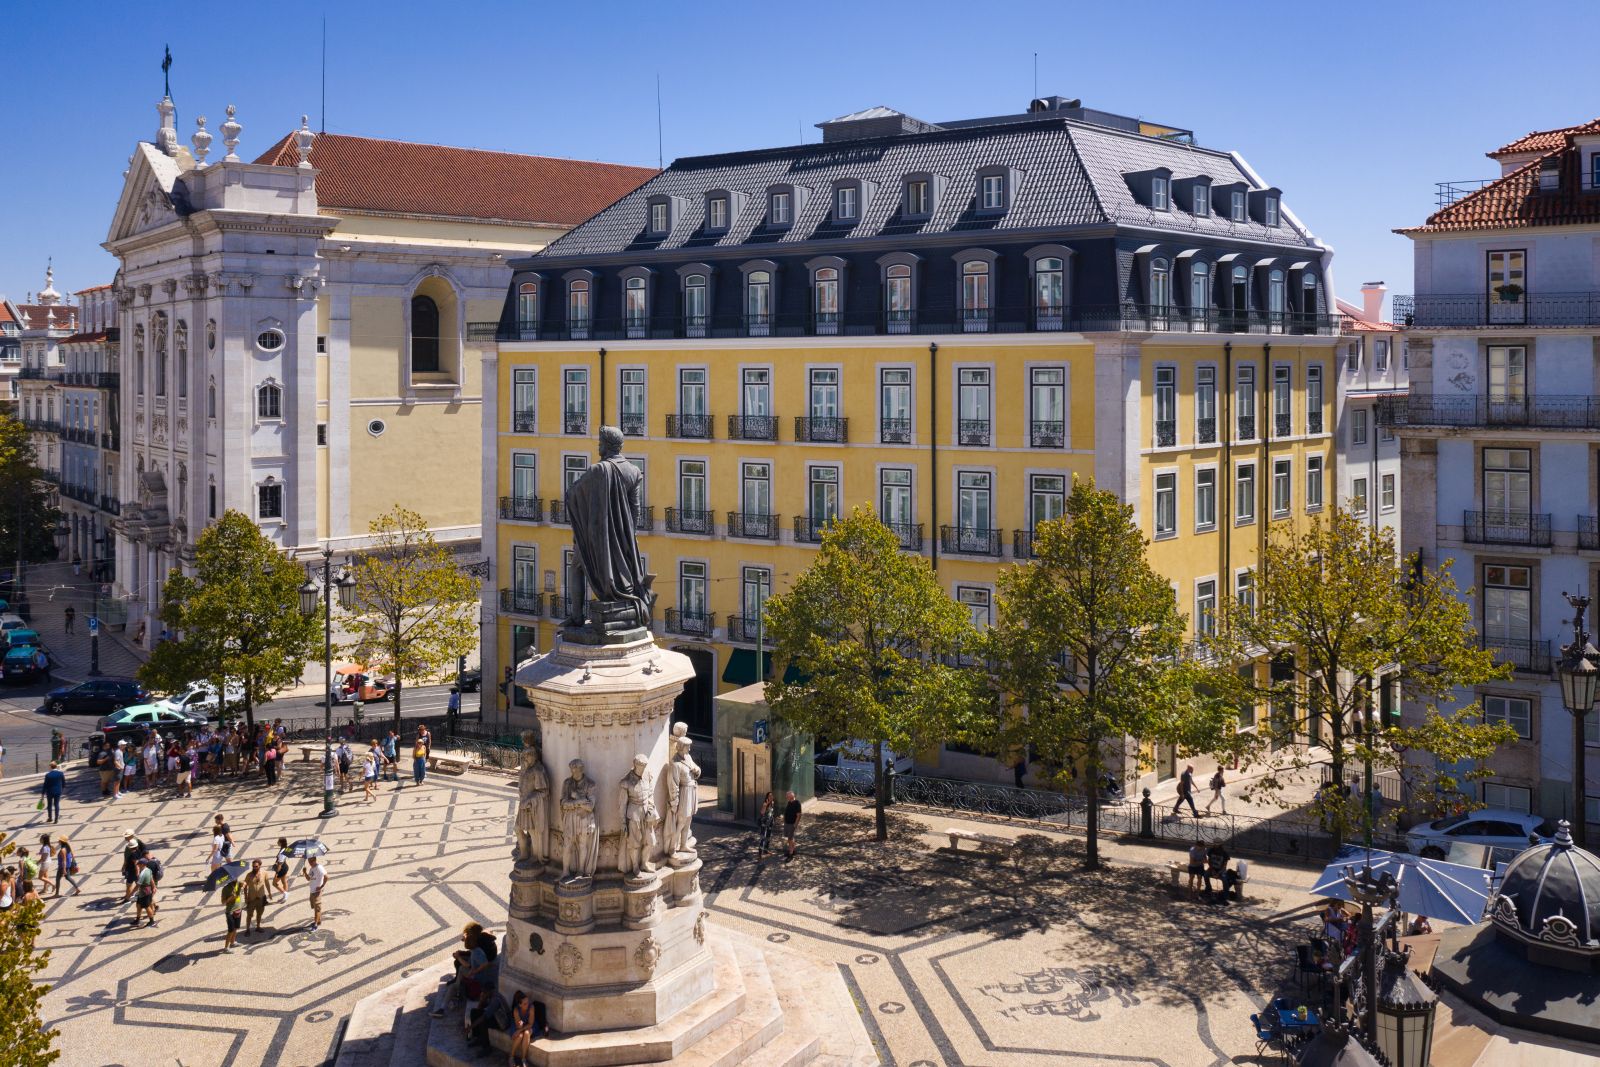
(1550, 894)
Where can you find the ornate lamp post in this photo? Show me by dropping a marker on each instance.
(345, 587)
(1404, 1010)
(1579, 677)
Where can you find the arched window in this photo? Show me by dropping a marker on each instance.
(211, 398)
(269, 401)
(578, 308)
(527, 308)
(159, 343)
(635, 306)
(1275, 299)
(975, 294)
(758, 301)
(180, 343)
(1160, 293)
(424, 335)
(825, 299)
(694, 303)
(897, 302)
(1199, 291)
(1049, 290)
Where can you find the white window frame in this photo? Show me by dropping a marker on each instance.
(273, 391)
(1316, 478)
(1205, 622)
(1160, 193)
(1269, 210)
(1282, 488)
(1203, 523)
(780, 207)
(262, 487)
(1358, 496)
(1386, 493)
(1239, 204)
(1510, 797)
(1497, 708)
(1202, 201)
(1358, 426)
(1164, 484)
(992, 192)
(1244, 502)
(660, 217)
(847, 203)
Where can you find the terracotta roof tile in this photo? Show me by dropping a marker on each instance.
(92, 289)
(37, 316)
(366, 173)
(5, 312)
(1544, 140)
(1516, 201)
(92, 335)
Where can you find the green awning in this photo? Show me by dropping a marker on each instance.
(741, 668)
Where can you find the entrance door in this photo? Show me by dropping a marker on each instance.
(694, 704)
(752, 777)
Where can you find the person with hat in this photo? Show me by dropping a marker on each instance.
(145, 903)
(119, 763)
(133, 851)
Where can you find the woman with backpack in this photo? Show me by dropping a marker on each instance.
(66, 866)
(1217, 784)
(280, 869)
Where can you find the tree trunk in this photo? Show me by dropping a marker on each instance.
(249, 711)
(396, 692)
(1092, 822)
(878, 790)
(1336, 729)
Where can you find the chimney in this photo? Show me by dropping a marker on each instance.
(1372, 301)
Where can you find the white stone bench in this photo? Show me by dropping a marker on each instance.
(447, 765)
(981, 840)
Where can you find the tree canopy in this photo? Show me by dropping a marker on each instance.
(872, 644)
(23, 1037)
(416, 609)
(1087, 651)
(25, 508)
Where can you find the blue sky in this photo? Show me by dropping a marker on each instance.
(1353, 109)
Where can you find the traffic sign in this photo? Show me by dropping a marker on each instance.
(758, 733)
(94, 626)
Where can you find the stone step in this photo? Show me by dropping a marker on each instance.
(818, 1005)
(389, 1028)
(750, 1037)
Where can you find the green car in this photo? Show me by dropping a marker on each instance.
(22, 639)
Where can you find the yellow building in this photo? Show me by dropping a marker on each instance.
(945, 321)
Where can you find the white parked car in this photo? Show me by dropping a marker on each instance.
(1486, 826)
(201, 698)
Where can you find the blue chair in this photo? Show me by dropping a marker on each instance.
(1267, 1037)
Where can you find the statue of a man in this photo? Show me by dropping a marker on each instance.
(639, 818)
(682, 798)
(602, 506)
(580, 843)
(533, 815)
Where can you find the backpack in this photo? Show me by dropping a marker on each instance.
(183, 762)
(153, 865)
(486, 941)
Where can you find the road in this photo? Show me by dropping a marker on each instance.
(25, 727)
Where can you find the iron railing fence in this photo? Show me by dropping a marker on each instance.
(752, 427)
(689, 426)
(522, 602)
(633, 423)
(691, 623)
(1540, 412)
(690, 520)
(894, 431)
(970, 541)
(823, 429)
(1506, 528)
(742, 629)
(522, 508)
(1050, 433)
(755, 524)
(1528, 655)
(1508, 307)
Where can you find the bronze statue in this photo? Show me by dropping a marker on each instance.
(607, 587)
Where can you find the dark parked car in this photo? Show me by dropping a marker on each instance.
(19, 665)
(471, 681)
(98, 695)
(133, 722)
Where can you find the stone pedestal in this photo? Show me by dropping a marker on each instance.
(601, 950)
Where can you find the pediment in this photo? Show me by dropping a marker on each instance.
(152, 195)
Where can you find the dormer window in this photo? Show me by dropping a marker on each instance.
(1550, 175)
(1594, 172)
(1160, 198)
(1202, 200)
(917, 201)
(779, 205)
(1238, 210)
(846, 203)
(717, 212)
(1269, 211)
(658, 217)
(992, 192)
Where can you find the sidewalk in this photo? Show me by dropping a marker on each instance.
(1299, 788)
(51, 588)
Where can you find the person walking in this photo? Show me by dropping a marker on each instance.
(316, 878)
(41, 663)
(1218, 783)
(391, 756)
(233, 908)
(791, 823)
(255, 897)
(133, 851)
(219, 825)
(269, 761)
(280, 869)
(70, 616)
(764, 820)
(47, 858)
(66, 866)
(343, 756)
(419, 756)
(55, 783)
(1186, 791)
(214, 856)
(145, 902)
(369, 771)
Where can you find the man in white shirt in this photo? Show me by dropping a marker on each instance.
(317, 877)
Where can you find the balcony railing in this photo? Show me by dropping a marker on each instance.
(973, 432)
(1205, 431)
(809, 530)
(1497, 310)
(1530, 656)
(1047, 434)
(1588, 532)
(111, 442)
(1166, 433)
(752, 427)
(41, 425)
(1313, 422)
(110, 505)
(633, 423)
(894, 431)
(1247, 427)
(1282, 424)
(909, 534)
(575, 422)
(106, 379)
(79, 435)
(743, 629)
(691, 623)
(520, 602)
(681, 520)
(969, 541)
(524, 422)
(689, 426)
(1505, 528)
(558, 512)
(31, 373)
(644, 518)
(1542, 412)
(1022, 544)
(560, 605)
(827, 429)
(1103, 318)
(522, 508)
(762, 525)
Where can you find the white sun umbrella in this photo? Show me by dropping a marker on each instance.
(1452, 892)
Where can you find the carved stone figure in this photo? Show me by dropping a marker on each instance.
(608, 587)
(533, 815)
(639, 819)
(682, 797)
(580, 841)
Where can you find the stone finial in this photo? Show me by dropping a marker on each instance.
(167, 133)
(48, 294)
(230, 136)
(303, 138)
(201, 139)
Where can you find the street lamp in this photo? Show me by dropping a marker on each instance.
(1579, 677)
(1404, 1009)
(345, 587)
(94, 614)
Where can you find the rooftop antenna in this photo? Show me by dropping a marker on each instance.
(661, 157)
(322, 119)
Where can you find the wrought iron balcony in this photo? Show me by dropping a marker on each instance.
(1542, 412)
(691, 623)
(575, 421)
(752, 427)
(827, 429)
(522, 602)
(110, 505)
(909, 534)
(1022, 544)
(973, 432)
(111, 442)
(558, 512)
(107, 379)
(1047, 434)
(969, 541)
(1247, 427)
(681, 520)
(1505, 528)
(560, 605)
(1588, 532)
(1205, 431)
(633, 423)
(1282, 424)
(743, 630)
(524, 422)
(689, 426)
(1314, 421)
(761, 525)
(1525, 655)
(894, 431)
(809, 529)
(1506, 308)
(522, 508)
(1166, 433)
(31, 374)
(644, 518)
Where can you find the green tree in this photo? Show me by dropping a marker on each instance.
(1338, 605)
(1087, 651)
(25, 1041)
(872, 642)
(27, 521)
(237, 618)
(416, 610)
